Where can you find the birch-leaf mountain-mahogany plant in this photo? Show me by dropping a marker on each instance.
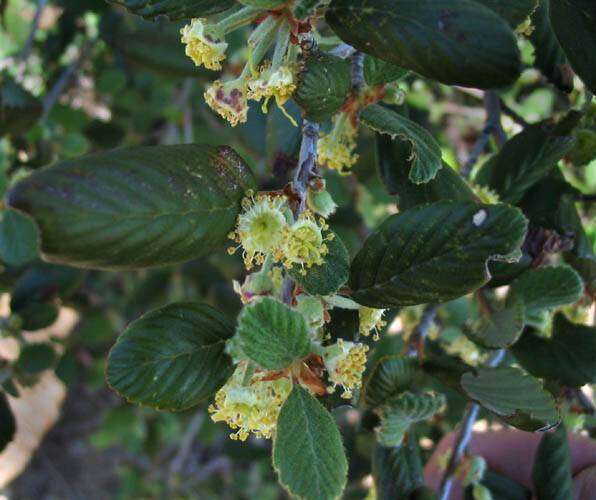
(409, 239)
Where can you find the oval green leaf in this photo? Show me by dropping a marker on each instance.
(457, 42)
(434, 253)
(135, 208)
(172, 358)
(391, 376)
(272, 335)
(308, 453)
(513, 395)
(501, 327)
(551, 473)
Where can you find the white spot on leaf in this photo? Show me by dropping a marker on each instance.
(479, 217)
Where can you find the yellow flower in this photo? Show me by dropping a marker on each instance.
(336, 149)
(228, 99)
(202, 47)
(345, 362)
(262, 228)
(485, 194)
(253, 407)
(305, 243)
(279, 84)
(465, 349)
(371, 320)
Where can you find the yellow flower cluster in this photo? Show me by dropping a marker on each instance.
(485, 194)
(265, 228)
(345, 362)
(279, 84)
(371, 320)
(253, 407)
(228, 99)
(336, 149)
(203, 48)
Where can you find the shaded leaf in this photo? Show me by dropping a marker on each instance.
(379, 72)
(574, 23)
(272, 335)
(175, 9)
(549, 57)
(522, 161)
(19, 110)
(391, 376)
(19, 238)
(513, 395)
(434, 253)
(515, 12)
(567, 357)
(329, 277)
(308, 453)
(547, 288)
(425, 157)
(502, 327)
(323, 85)
(551, 474)
(35, 358)
(456, 42)
(393, 169)
(397, 471)
(399, 413)
(171, 358)
(136, 207)
(7, 422)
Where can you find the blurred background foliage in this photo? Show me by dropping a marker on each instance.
(91, 78)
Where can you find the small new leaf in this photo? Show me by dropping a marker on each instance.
(551, 473)
(391, 376)
(272, 335)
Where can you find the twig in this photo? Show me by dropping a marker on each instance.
(306, 162)
(492, 127)
(463, 438)
(511, 113)
(421, 331)
(192, 430)
(55, 92)
(357, 70)
(24, 53)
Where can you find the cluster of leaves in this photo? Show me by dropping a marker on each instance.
(426, 235)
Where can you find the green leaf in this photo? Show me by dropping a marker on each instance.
(425, 157)
(272, 334)
(434, 253)
(513, 395)
(393, 170)
(323, 86)
(19, 238)
(330, 276)
(171, 358)
(523, 161)
(397, 471)
(549, 57)
(38, 315)
(574, 23)
(551, 474)
(175, 9)
(137, 207)
(308, 453)
(457, 42)
(263, 4)
(391, 376)
(35, 358)
(515, 12)
(379, 72)
(402, 411)
(19, 110)
(567, 357)
(502, 327)
(7, 422)
(547, 288)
